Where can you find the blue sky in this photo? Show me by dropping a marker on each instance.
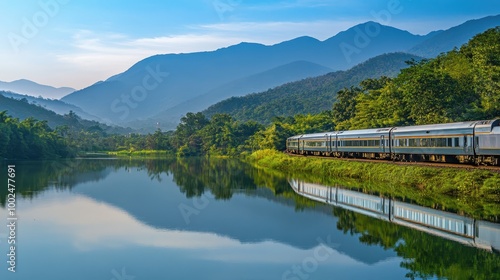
(78, 42)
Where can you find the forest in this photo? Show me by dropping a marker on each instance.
(463, 84)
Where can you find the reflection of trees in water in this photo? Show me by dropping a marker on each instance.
(193, 175)
(32, 177)
(221, 176)
(425, 256)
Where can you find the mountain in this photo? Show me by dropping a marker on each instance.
(311, 95)
(34, 89)
(454, 37)
(256, 83)
(162, 82)
(21, 109)
(59, 107)
(161, 88)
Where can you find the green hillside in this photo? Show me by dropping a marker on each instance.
(22, 109)
(308, 96)
(30, 139)
(461, 85)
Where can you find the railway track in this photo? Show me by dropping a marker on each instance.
(415, 163)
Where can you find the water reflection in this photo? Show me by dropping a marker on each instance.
(208, 219)
(477, 233)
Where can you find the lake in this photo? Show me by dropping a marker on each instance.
(215, 219)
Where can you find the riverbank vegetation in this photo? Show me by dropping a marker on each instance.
(463, 84)
(476, 192)
(422, 254)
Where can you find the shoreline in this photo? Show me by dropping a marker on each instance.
(474, 192)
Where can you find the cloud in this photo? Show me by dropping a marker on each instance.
(89, 225)
(101, 55)
(278, 31)
(90, 56)
(296, 4)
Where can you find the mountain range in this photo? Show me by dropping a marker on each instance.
(57, 106)
(23, 109)
(311, 95)
(31, 88)
(160, 89)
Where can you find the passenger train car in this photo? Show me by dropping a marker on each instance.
(465, 142)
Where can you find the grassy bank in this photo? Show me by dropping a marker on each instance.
(476, 192)
(142, 153)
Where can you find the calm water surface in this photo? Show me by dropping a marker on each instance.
(206, 219)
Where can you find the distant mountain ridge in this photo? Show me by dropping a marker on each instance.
(34, 89)
(255, 83)
(161, 88)
(59, 107)
(454, 37)
(311, 95)
(187, 76)
(22, 109)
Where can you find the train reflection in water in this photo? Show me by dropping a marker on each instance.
(481, 234)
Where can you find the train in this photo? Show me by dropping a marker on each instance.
(473, 142)
(481, 234)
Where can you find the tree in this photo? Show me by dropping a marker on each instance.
(345, 107)
(483, 53)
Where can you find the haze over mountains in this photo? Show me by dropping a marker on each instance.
(57, 106)
(308, 96)
(34, 89)
(162, 88)
(23, 109)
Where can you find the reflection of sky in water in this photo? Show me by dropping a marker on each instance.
(84, 234)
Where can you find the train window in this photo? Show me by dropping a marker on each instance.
(413, 142)
(437, 143)
(457, 143)
(424, 142)
(449, 142)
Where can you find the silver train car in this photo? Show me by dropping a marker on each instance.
(465, 230)
(465, 142)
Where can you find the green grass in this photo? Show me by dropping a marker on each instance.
(142, 153)
(474, 192)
